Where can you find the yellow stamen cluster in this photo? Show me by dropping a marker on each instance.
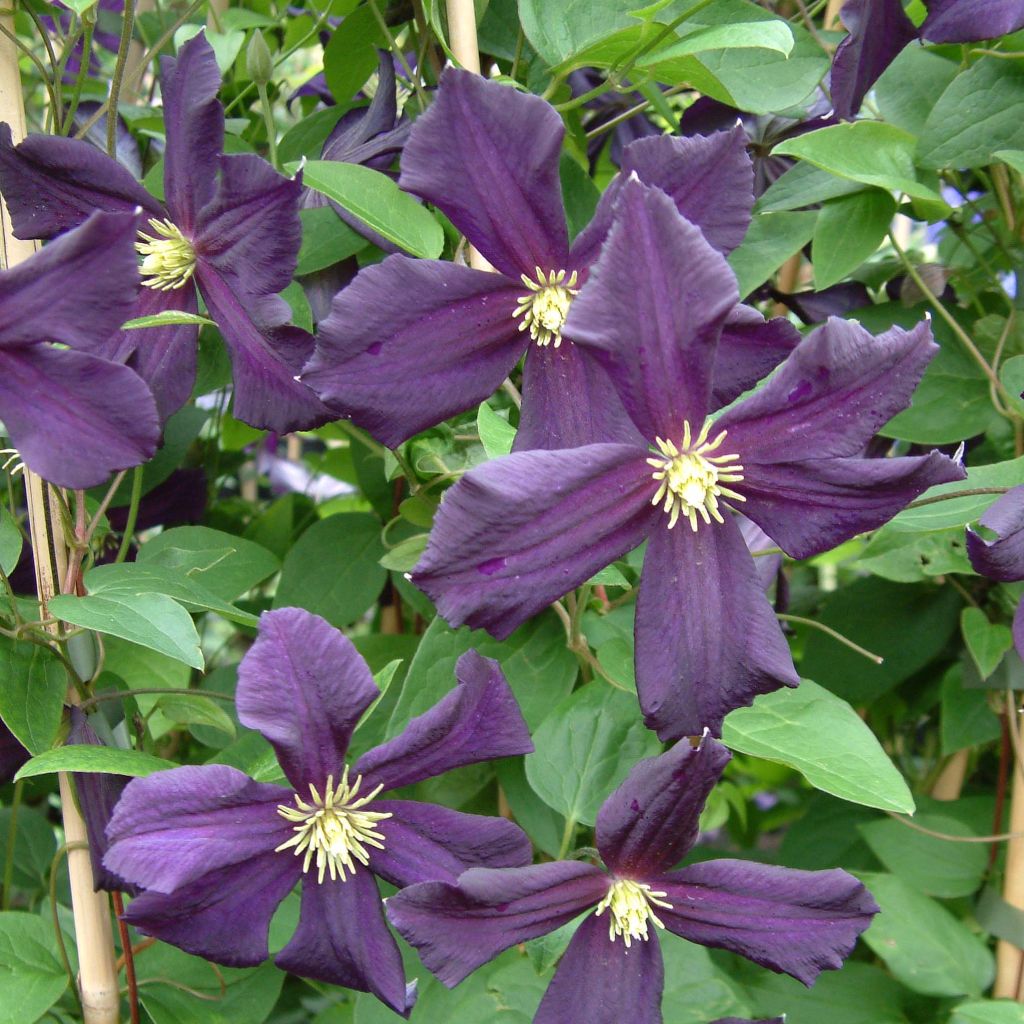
(546, 306)
(168, 258)
(631, 910)
(333, 831)
(691, 478)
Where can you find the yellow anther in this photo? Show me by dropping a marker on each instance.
(168, 259)
(630, 904)
(546, 306)
(691, 479)
(333, 830)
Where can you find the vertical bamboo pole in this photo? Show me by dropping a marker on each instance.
(1009, 983)
(950, 783)
(97, 979)
(832, 13)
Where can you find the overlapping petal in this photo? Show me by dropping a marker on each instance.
(1002, 558)
(457, 929)
(304, 686)
(965, 21)
(477, 721)
(651, 820)
(487, 156)
(707, 640)
(749, 349)
(517, 533)
(797, 922)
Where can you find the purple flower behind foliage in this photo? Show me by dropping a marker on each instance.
(607, 107)
(518, 532)
(73, 415)
(217, 851)
(12, 754)
(795, 922)
(411, 342)
(230, 228)
(1003, 558)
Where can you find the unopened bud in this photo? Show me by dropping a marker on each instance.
(258, 61)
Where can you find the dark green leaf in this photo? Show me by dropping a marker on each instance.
(804, 185)
(10, 542)
(33, 684)
(986, 641)
(350, 56)
(184, 708)
(847, 232)
(85, 758)
(967, 717)
(31, 977)
(910, 86)
(326, 240)
(770, 241)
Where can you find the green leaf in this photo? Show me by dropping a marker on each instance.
(334, 569)
(980, 113)
(168, 318)
(87, 758)
(350, 56)
(989, 1011)
(32, 979)
(911, 557)
(32, 693)
(34, 847)
(825, 740)
(866, 151)
(847, 232)
(804, 185)
(1011, 375)
(910, 87)
(967, 717)
(923, 944)
(10, 542)
(184, 708)
(326, 240)
(986, 641)
(496, 433)
(1013, 157)
(405, 554)
(225, 564)
(152, 620)
(696, 989)
(585, 748)
(378, 202)
(670, 63)
(771, 239)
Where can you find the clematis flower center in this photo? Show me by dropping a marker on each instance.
(168, 258)
(546, 306)
(691, 478)
(631, 905)
(333, 830)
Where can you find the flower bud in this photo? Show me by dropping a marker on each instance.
(258, 62)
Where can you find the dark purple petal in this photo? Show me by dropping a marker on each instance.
(12, 754)
(601, 981)
(487, 155)
(172, 828)
(839, 386)
(707, 640)
(966, 21)
(814, 307)
(1001, 559)
(1018, 629)
(651, 821)
(52, 184)
(476, 721)
(653, 311)
(342, 939)
(194, 125)
(796, 922)
(458, 928)
(73, 417)
(749, 349)
(767, 566)
(411, 342)
(879, 29)
(357, 128)
(427, 843)
(304, 686)
(223, 915)
(517, 533)
(569, 401)
(809, 507)
(266, 357)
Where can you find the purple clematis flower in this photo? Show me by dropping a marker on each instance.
(217, 852)
(795, 922)
(1002, 559)
(230, 228)
(966, 21)
(74, 416)
(487, 156)
(516, 533)
(12, 754)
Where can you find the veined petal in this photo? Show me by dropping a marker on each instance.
(477, 721)
(653, 310)
(458, 928)
(342, 939)
(809, 507)
(833, 393)
(797, 922)
(194, 125)
(707, 640)
(174, 827)
(601, 981)
(517, 533)
(305, 687)
(1001, 559)
(966, 21)
(397, 367)
(487, 155)
(749, 349)
(52, 184)
(427, 843)
(651, 821)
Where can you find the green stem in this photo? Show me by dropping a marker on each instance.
(127, 28)
(567, 836)
(967, 493)
(133, 515)
(393, 46)
(83, 69)
(119, 694)
(12, 834)
(268, 120)
(845, 640)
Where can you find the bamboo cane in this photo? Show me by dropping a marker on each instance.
(97, 978)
